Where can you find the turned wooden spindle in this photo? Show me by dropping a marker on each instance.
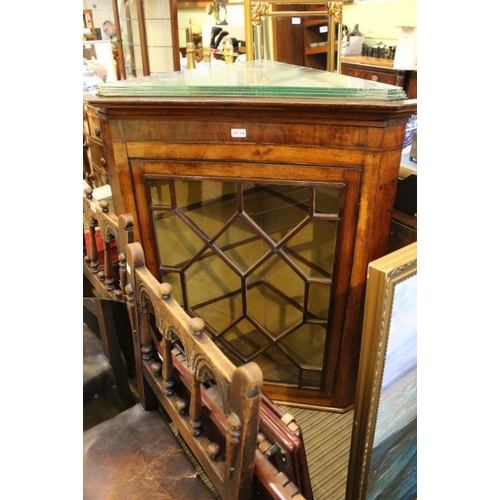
(93, 246)
(146, 338)
(181, 406)
(195, 408)
(108, 265)
(213, 450)
(156, 368)
(233, 438)
(167, 367)
(146, 352)
(122, 272)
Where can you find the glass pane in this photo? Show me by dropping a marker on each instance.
(177, 243)
(306, 345)
(159, 35)
(210, 282)
(254, 79)
(160, 192)
(208, 204)
(256, 263)
(314, 260)
(277, 367)
(277, 209)
(242, 245)
(318, 300)
(275, 296)
(246, 340)
(129, 26)
(327, 200)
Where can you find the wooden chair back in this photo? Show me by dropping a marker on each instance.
(214, 405)
(105, 237)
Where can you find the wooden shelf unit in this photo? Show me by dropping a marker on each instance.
(295, 26)
(88, 23)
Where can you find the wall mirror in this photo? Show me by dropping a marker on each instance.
(305, 33)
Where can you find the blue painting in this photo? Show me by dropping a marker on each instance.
(392, 473)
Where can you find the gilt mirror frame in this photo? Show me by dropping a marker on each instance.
(383, 456)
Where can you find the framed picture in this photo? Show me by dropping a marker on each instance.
(383, 457)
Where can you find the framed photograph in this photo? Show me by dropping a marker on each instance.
(383, 457)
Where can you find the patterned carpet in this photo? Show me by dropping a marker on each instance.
(327, 439)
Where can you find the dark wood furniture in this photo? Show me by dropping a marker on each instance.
(317, 179)
(105, 279)
(403, 225)
(211, 404)
(303, 39)
(380, 70)
(88, 24)
(94, 162)
(403, 230)
(304, 43)
(107, 340)
(107, 364)
(105, 236)
(404, 217)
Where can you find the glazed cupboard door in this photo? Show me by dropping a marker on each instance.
(261, 259)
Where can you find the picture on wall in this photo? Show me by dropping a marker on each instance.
(383, 459)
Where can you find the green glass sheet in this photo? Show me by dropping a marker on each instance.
(252, 79)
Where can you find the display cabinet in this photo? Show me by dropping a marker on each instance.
(302, 41)
(262, 201)
(316, 43)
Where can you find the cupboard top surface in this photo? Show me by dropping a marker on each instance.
(253, 79)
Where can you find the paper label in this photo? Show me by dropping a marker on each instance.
(238, 132)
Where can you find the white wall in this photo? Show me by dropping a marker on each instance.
(378, 19)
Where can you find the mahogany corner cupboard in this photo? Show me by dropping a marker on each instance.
(261, 192)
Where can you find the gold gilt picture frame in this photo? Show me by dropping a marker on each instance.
(383, 457)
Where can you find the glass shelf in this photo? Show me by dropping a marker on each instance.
(253, 79)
